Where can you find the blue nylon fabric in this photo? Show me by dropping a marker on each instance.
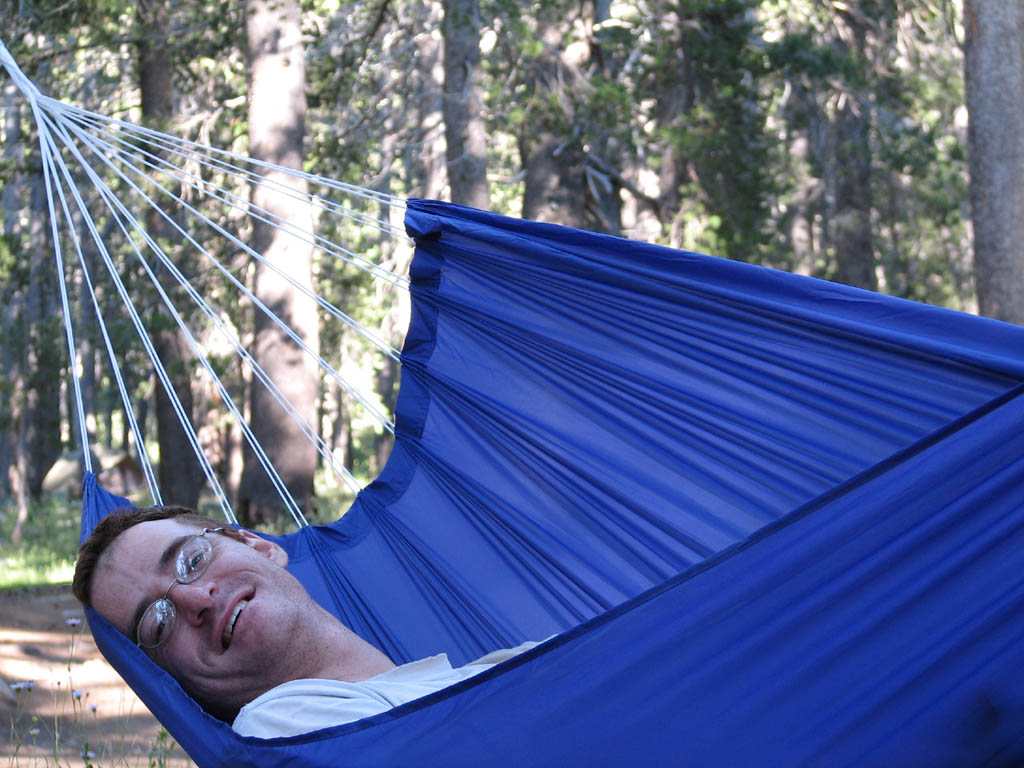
(777, 521)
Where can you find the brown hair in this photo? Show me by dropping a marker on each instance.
(112, 526)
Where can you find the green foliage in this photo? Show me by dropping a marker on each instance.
(712, 71)
(10, 268)
(48, 547)
(798, 53)
(161, 749)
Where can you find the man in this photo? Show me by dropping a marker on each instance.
(217, 609)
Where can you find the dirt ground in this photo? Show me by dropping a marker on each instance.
(59, 699)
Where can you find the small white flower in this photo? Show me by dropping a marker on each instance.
(26, 685)
(88, 755)
(92, 707)
(77, 694)
(33, 732)
(73, 622)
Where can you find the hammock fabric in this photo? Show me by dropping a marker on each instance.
(777, 521)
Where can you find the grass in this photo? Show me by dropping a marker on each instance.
(49, 543)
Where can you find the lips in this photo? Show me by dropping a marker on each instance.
(229, 627)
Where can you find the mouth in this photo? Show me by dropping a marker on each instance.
(229, 627)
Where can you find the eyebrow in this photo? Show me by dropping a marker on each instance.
(163, 563)
(172, 549)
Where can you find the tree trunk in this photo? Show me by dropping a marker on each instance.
(87, 348)
(556, 183)
(994, 70)
(12, 204)
(424, 160)
(396, 256)
(463, 116)
(555, 188)
(32, 355)
(341, 429)
(604, 162)
(46, 347)
(675, 169)
(386, 386)
(18, 475)
(180, 476)
(851, 220)
(277, 109)
(851, 232)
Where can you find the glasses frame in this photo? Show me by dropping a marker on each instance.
(163, 608)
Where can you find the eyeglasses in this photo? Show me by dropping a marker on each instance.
(191, 562)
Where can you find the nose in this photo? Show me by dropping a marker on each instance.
(193, 601)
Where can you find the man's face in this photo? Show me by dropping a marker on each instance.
(215, 656)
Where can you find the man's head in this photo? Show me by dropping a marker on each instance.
(242, 627)
(112, 526)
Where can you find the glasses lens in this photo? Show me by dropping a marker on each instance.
(192, 559)
(156, 624)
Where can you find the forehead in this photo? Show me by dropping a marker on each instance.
(146, 542)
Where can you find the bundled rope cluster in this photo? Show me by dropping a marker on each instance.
(80, 148)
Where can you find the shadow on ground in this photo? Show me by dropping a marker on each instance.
(60, 702)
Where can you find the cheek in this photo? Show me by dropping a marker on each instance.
(173, 659)
(181, 656)
(264, 627)
(201, 684)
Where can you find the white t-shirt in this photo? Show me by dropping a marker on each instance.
(300, 706)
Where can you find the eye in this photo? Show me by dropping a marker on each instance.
(159, 630)
(156, 624)
(192, 560)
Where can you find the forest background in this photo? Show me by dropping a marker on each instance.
(871, 142)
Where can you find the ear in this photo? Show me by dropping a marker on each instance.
(272, 550)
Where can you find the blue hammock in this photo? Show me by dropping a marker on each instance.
(775, 521)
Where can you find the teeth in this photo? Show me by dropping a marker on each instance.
(230, 628)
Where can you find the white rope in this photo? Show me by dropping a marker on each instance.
(214, 316)
(203, 150)
(115, 205)
(201, 186)
(96, 133)
(158, 366)
(237, 203)
(25, 85)
(383, 420)
(144, 460)
(69, 334)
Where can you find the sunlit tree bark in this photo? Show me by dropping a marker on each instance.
(994, 67)
(277, 111)
(463, 115)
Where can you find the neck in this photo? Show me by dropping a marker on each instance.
(343, 655)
